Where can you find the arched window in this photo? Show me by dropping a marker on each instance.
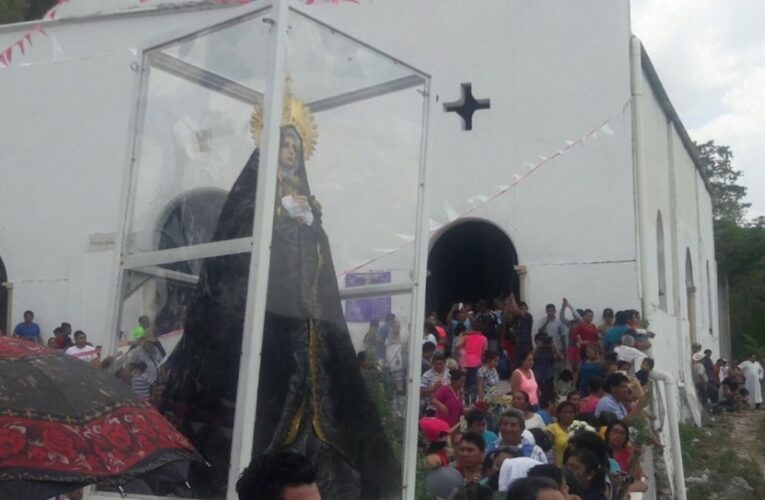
(690, 291)
(709, 302)
(661, 266)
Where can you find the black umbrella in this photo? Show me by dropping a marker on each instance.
(65, 424)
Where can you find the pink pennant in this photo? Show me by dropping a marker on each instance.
(28, 37)
(20, 43)
(2, 60)
(51, 13)
(9, 54)
(40, 28)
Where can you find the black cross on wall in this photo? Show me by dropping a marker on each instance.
(467, 105)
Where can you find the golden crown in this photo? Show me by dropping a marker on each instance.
(295, 113)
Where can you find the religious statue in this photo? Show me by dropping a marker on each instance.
(311, 395)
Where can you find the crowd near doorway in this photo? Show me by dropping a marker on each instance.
(469, 261)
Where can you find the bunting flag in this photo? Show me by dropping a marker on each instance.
(479, 201)
(6, 55)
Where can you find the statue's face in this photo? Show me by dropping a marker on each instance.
(288, 152)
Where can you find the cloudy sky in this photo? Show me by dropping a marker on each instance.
(710, 55)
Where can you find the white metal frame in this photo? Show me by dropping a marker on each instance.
(260, 242)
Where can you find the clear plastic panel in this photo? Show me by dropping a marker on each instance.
(185, 322)
(346, 213)
(195, 136)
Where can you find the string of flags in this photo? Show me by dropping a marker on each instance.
(479, 201)
(24, 43)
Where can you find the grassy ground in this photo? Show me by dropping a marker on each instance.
(727, 446)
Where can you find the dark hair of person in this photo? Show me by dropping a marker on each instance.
(79, 333)
(549, 471)
(270, 474)
(57, 330)
(438, 356)
(595, 384)
(541, 439)
(623, 365)
(566, 375)
(430, 328)
(428, 347)
(614, 380)
(573, 482)
(620, 318)
(390, 317)
(611, 357)
(476, 439)
(29, 312)
(523, 304)
(608, 312)
(361, 357)
(571, 394)
(619, 423)
(588, 311)
(591, 463)
(474, 416)
(528, 488)
(546, 398)
(549, 306)
(456, 375)
(606, 418)
(525, 396)
(460, 328)
(512, 413)
(564, 405)
(489, 355)
(435, 446)
(525, 354)
(374, 323)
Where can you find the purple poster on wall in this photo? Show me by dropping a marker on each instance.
(363, 310)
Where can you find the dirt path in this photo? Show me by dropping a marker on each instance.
(747, 432)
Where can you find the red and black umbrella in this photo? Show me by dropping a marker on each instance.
(65, 424)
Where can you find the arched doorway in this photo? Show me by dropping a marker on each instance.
(3, 299)
(469, 261)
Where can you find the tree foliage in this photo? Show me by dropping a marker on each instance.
(740, 248)
(16, 11)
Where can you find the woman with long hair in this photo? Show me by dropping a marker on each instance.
(523, 379)
(566, 413)
(621, 450)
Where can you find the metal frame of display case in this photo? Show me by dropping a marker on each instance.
(276, 13)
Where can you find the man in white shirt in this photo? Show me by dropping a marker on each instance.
(627, 351)
(81, 349)
(511, 429)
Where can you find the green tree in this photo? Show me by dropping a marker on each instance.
(16, 11)
(727, 195)
(740, 248)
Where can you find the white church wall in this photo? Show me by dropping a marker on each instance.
(572, 216)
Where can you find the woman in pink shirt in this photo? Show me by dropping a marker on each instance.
(448, 399)
(475, 344)
(523, 380)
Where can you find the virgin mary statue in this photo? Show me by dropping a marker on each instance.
(311, 395)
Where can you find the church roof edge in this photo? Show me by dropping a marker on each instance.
(669, 110)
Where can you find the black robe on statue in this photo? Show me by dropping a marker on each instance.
(311, 395)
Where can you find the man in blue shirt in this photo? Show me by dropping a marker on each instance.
(617, 387)
(28, 330)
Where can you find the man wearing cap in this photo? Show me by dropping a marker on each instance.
(435, 432)
(699, 376)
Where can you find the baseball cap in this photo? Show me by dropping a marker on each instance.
(434, 429)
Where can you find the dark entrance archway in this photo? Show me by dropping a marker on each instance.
(3, 299)
(471, 260)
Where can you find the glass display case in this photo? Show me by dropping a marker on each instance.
(274, 210)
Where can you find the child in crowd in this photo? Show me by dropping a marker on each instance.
(140, 382)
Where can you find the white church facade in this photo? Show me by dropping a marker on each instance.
(464, 148)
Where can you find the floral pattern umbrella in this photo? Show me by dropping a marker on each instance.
(63, 421)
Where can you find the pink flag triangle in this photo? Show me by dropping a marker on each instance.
(20, 43)
(9, 54)
(40, 28)
(2, 60)
(28, 36)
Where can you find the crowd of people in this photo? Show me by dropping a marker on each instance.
(140, 369)
(512, 407)
(724, 388)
